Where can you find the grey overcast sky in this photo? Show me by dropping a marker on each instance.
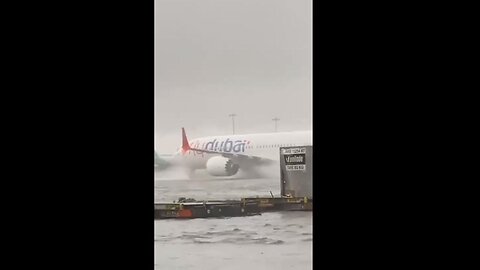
(217, 57)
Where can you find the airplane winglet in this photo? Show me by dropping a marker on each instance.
(185, 144)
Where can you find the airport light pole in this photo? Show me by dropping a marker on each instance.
(233, 121)
(275, 120)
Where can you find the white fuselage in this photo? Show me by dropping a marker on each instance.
(263, 145)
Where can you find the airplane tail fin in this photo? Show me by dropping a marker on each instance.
(185, 144)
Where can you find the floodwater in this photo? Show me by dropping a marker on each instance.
(274, 240)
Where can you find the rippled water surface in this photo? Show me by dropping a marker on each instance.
(276, 240)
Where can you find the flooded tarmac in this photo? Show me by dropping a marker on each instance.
(275, 240)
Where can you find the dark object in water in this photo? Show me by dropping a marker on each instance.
(191, 208)
(184, 200)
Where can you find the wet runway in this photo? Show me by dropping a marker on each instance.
(276, 240)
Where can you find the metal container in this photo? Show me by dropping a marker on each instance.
(296, 171)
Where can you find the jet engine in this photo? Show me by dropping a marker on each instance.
(220, 166)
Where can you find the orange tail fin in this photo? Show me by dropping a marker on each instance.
(185, 145)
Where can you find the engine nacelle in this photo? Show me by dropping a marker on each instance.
(220, 166)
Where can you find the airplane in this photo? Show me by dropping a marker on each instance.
(226, 155)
